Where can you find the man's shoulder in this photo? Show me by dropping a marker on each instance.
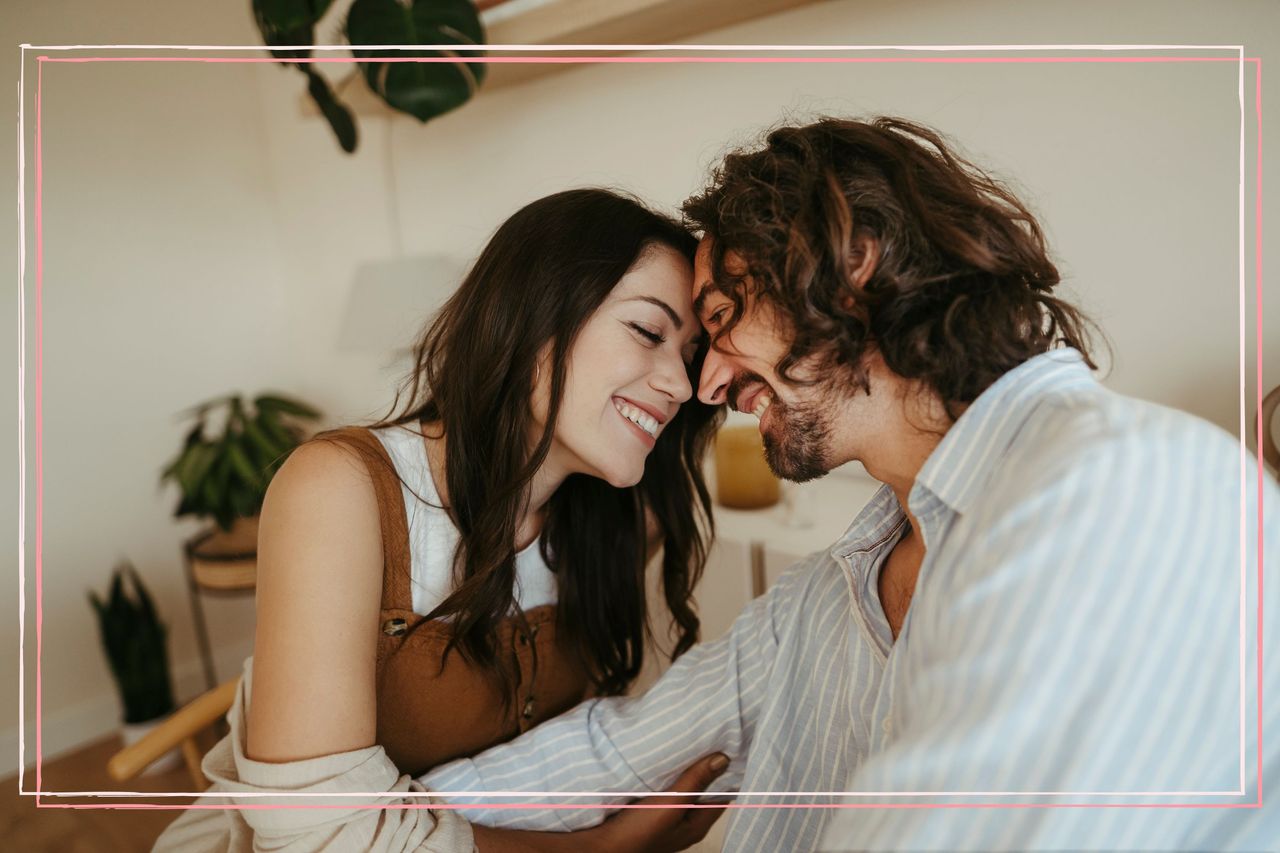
(1093, 433)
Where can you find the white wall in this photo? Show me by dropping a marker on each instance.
(201, 234)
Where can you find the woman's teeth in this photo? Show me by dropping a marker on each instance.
(762, 404)
(637, 417)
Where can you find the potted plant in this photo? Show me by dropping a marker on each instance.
(134, 640)
(223, 474)
(424, 90)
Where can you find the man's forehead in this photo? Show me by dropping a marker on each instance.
(704, 275)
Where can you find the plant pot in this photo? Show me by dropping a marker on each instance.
(131, 733)
(227, 559)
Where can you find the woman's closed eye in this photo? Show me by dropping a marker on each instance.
(654, 338)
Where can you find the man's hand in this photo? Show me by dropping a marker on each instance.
(631, 830)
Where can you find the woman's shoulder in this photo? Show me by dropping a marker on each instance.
(324, 492)
(330, 463)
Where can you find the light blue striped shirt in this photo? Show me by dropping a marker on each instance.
(1083, 631)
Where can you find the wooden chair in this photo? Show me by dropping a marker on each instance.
(1270, 452)
(180, 730)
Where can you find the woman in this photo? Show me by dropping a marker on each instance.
(449, 578)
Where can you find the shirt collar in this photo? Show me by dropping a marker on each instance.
(959, 467)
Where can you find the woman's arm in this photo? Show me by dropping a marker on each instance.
(319, 589)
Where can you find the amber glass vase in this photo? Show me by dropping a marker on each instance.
(743, 478)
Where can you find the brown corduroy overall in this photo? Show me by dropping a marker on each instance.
(428, 715)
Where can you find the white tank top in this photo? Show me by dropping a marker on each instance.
(433, 537)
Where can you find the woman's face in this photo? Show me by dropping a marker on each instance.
(627, 373)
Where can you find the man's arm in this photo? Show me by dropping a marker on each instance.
(1086, 641)
(708, 701)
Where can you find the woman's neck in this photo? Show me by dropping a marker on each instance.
(543, 485)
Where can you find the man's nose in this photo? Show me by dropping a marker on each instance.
(713, 385)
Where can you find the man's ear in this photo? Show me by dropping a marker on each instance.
(865, 255)
(863, 258)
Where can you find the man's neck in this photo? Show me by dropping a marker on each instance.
(893, 444)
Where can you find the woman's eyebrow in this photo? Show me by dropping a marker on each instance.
(653, 300)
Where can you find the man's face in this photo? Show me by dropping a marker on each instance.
(795, 420)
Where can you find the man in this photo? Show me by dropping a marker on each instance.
(1042, 605)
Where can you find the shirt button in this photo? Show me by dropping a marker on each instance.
(527, 711)
(886, 726)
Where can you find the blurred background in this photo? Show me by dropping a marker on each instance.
(205, 235)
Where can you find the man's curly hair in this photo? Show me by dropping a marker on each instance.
(961, 292)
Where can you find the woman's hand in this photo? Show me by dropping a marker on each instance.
(632, 830)
(654, 830)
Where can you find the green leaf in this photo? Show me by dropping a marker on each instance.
(264, 450)
(134, 640)
(270, 423)
(236, 416)
(193, 467)
(244, 500)
(214, 487)
(285, 405)
(196, 435)
(424, 90)
(178, 467)
(333, 110)
(241, 464)
(290, 14)
(199, 468)
(146, 608)
(116, 595)
(286, 23)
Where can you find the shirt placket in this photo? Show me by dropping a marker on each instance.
(525, 645)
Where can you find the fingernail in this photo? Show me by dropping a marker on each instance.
(719, 762)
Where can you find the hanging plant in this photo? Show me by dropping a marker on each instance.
(424, 90)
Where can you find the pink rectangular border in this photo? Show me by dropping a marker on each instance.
(41, 59)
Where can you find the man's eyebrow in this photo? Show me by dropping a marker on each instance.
(653, 300)
(704, 290)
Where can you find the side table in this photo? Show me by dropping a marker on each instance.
(220, 563)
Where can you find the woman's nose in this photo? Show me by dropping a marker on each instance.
(672, 379)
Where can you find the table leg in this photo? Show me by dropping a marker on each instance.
(197, 614)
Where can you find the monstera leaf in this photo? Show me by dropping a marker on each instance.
(422, 89)
(288, 23)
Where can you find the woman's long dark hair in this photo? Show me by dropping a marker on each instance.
(540, 278)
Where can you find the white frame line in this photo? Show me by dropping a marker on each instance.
(802, 48)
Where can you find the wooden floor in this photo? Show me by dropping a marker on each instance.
(26, 828)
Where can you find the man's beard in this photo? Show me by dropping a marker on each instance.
(796, 445)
